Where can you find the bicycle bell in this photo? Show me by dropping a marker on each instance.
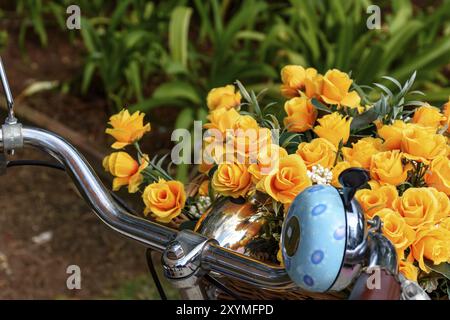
(324, 236)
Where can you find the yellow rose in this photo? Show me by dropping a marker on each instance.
(313, 85)
(335, 90)
(232, 179)
(164, 199)
(421, 145)
(432, 243)
(246, 122)
(337, 170)
(246, 144)
(222, 119)
(267, 162)
(125, 169)
(293, 79)
(374, 200)
(444, 205)
(408, 269)
(392, 135)
(396, 230)
(290, 179)
(361, 152)
(438, 175)
(418, 206)
(126, 128)
(318, 151)
(445, 223)
(428, 116)
(301, 114)
(334, 128)
(223, 97)
(387, 168)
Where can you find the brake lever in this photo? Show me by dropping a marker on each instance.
(11, 130)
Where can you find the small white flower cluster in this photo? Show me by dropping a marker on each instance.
(200, 207)
(320, 175)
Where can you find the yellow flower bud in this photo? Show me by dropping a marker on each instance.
(125, 169)
(301, 114)
(335, 90)
(126, 128)
(223, 97)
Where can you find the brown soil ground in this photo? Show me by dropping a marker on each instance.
(36, 200)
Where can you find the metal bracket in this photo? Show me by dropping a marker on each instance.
(182, 264)
(11, 130)
(12, 137)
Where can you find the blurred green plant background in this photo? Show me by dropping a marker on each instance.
(150, 54)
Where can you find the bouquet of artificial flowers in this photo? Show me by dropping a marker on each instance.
(328, 124)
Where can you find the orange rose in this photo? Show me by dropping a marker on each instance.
(421, 145)
(164, 199)
(301, 114)
(335, 90)
(375, 200)
(432, 243)
(408, 269)
(438, 176)
(419, 206)
(223, 97)
(290, 179)
(267, 162)
(428, 116)
(396, 230)
(334, 128)
(444, 205)
(387, 168)
(126, 128)
(392, 135)
(318, 151)
(232, 179)
(222, 119)
(293, 79)
(361, 152)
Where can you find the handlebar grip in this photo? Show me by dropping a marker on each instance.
(389, 288)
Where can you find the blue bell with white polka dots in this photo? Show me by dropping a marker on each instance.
(324, 235)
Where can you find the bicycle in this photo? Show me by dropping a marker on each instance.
(189, 257)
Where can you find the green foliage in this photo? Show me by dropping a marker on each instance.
(333, 34)
(170, 53)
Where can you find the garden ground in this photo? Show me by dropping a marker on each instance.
(43, 203)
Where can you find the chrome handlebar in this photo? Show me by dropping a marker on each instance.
(153, 235)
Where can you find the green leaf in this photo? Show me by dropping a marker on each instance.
(177, 90)
(88, 72)
(320, 106)
(364, 119)
(178, 34)
(442, 268)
